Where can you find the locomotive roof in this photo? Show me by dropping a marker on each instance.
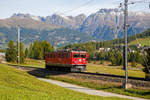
(68, 51)
(79, 51)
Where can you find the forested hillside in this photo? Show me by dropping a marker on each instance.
(116, 46)
(61, 36)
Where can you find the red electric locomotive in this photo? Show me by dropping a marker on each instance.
(74, 61)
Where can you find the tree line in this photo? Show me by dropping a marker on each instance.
(12, 52)
(116, 57)
(36, 50)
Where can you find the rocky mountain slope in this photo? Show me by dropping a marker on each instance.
(106, 24)
(66, 21)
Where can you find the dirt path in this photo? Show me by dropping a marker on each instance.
(87, 90)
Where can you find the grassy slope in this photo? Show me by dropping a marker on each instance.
(142, 41)
(32, 63)
(113, 70)
(18, 85)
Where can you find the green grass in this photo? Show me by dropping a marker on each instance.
(115, 70)
(18, 85)
(95, 68)
(105, 87)
(32, 63)
(35, 63)
(142, 41)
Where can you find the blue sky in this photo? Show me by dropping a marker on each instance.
(67, 7)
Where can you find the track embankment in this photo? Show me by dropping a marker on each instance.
(41, 72)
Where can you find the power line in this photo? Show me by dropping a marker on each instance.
(82, 5)
(136, 2)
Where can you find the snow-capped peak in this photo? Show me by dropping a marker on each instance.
(20, 15)
(35, 18)
(62, 15)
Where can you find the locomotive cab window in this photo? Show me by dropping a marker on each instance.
(76, 55)
(83, 55)
(59, 55)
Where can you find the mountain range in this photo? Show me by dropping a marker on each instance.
(106, 24)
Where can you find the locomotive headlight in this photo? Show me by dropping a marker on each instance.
(84, 61)
(80, 60)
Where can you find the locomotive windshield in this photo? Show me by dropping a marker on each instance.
(83, 56)
(79, 55)
(76, 55)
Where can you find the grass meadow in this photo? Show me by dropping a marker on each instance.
(115, 70)
(142, 41)
(16, 84)
(99, 68)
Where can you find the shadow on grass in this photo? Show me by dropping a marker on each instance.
(39, 72)
(138, 92)
(44, 73)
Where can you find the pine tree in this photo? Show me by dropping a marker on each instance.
(26, 53)
(101, 57)
(41, 51)
(146, 62)
(47, 47)
(31, 54)
(116, 58)
(38, 49)
(11, 53)
(113, 59)
(119, 58)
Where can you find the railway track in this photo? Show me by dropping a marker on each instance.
(41, 72)
(86, 73)
(111, 75)
(135, 81)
